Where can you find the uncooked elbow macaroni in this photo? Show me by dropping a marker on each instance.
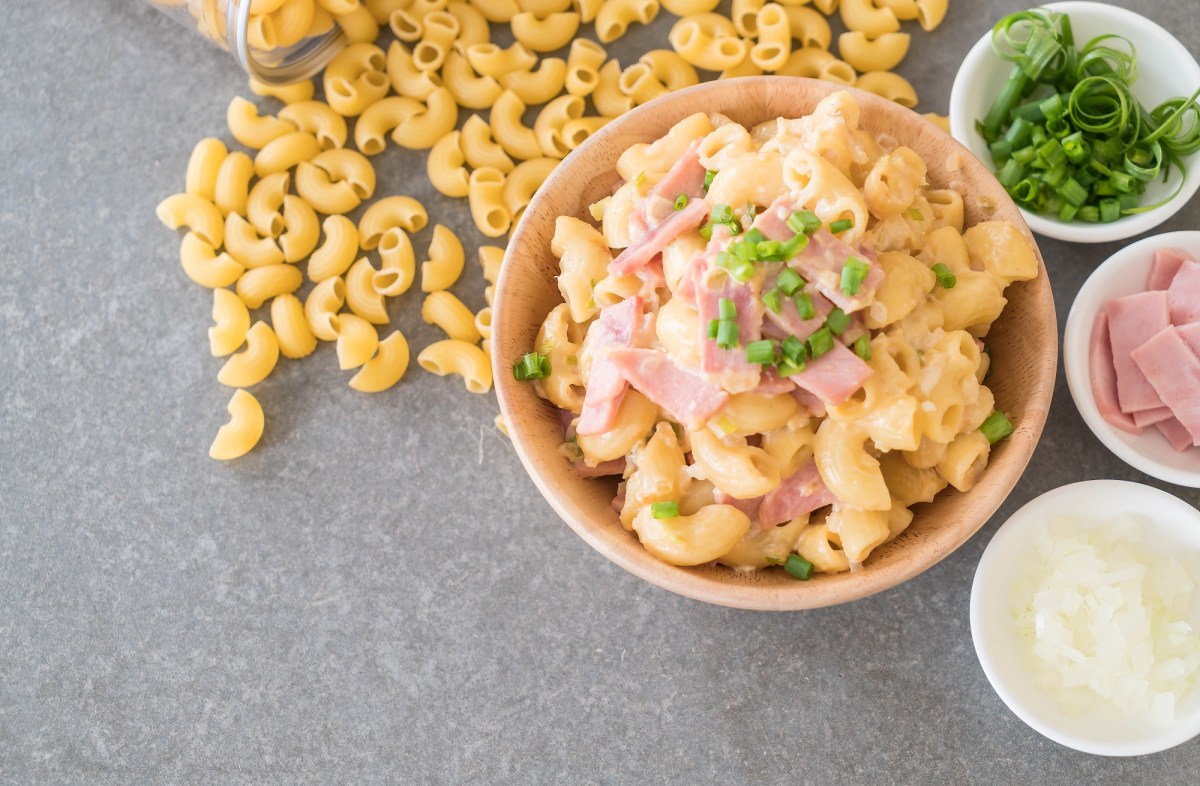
(702, 421)
(255, 362)
(243, 431)
(452, 356)
(445, 263)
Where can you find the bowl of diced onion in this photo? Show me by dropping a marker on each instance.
(1085, 617)
(1118, 206)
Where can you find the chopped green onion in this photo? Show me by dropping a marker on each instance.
(819, 343)
(713, 327)
(664, 510)
(639, 181)
(789, 281)
(1011, 173)
(681, 201)
(793, 350)
(1110, 210)
(862, 346)
(772, 299)
(944, 276)
(742, 270)
(792, 247)
(727, 334)
(531, 366)
(854, 272)
(838, 227)
(803, 222)
(996, 427)
(754, 235)
(726, 309)
(721, 214)
(804, 306)
(761, 352)
(1072, 192)
(838, 321)
(706, 230)
(915, 214)
(708, 178)
(798, 567)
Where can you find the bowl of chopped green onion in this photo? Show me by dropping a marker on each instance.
(1088, 116)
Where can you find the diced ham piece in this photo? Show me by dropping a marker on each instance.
(656, 239)
(1190, 333)
(736, 373)
(747, 506)
(1176, 434)
(1164, 267)
(772, 222)
(603, 469)
(1183, 296)
(1133, 320)
(800, 493)
(821, 262)
(619, 326)
(1148, 417)
(1104, 377)
(687, 398)
(835, 376)
(686, 176)
(814, 406)
(788, 319)
(1174, 370)
(771, 384)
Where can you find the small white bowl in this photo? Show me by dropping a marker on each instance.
(1124, 273)
(1165, 70)
(1172, 521)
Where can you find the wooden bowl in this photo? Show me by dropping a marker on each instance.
(1023, 342)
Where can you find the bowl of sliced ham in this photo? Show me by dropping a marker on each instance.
(1132, 355)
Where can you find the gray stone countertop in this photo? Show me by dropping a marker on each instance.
(377, 592)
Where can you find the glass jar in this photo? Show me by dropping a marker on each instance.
(275, 41)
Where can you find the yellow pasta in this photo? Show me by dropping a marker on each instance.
(522, 182)
(392, 211)
(469, 89)
(445, 165)
(509, 130)
(358, 25)
(670, 69)
(930, 13)
(404, 76)
(499, 11)
(296, 339)
(318, 119)
(444, 310)
(203, 166)
(386, 368)
(808, 27)
(639, 83)
(199, 215)
(774, 38)
(889, 85)
(445, 262)
(696, 43)
(289, 94)
(451, 356)
(356, 78)
(264, 205)
(480, 149)
(546, 33)
(301, 229)
(251, 129)
(357, 341)
(243, 431)
(583, 66)
(285, 152)
(864, 16)
(244, 244)
(607, 96)
(291, 22)
(483, 322)
(490, 60)
(380, 119)
(321, 307)
(337, 253)
(879, 54)
(490, 259)
(615, 16)
(485, 196)
(398, 266)
(258, 285)
(231, 321)
(203, 266)
(438, 31)
(539, 85)
(255, 362)
(550, 121)
(361, 296)
(473, 26)
(233, 183)
(422, 130)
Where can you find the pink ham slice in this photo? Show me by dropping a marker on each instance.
(1104, 377)
(1176, 434)
(686, 397)
(747, 506)
(800, 493)
(1183, 296)
(1191, 336)
(772, 222)
(788, 319)
(603, 469)
(654, 241)
(1174, 370)
(1164, 267)
(736, 373)
(814, 406)
(835, 376)
(1133, 320)
(618, 326)
(685, 177)
(771, 384)
(1148, 417)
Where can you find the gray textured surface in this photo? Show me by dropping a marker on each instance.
(378, 592)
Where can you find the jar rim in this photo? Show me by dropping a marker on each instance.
(299, 61)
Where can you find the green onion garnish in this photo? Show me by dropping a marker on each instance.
(853, 274)
(838, 227)
(838, 321)
(915, 214)
(996, 427)
(820, 342)
(713, 327)
(761, 352)
(803, 222)
(721, 214)
(944, 276)
(531, 366)
(798, 567)
(708, 178)
(862, 346)
(681, 201)
(727, 334)
(726, 309)
(664, 510)
(789, 281)
(804, 306)
(793, 350)
(772, 299)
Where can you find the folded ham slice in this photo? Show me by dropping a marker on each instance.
(689, 399)
(814, 406)
(1174, 370)
(835, 376)
(1132, 320)
(1164, 267)
(771, 384)
(1190, 333)
(1104, 377)
(1148, 417)
(1183, 296)
(800, 493)
(730, 366)
(656, 239)
(686, 176)
(747, 506)
(1176, 434)
(618, 326)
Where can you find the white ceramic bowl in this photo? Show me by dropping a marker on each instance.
(1165, 69)
(1172, 521)
(1124, 273)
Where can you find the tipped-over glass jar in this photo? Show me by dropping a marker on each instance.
(275, 41)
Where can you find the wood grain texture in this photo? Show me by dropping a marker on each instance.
(1023, 343)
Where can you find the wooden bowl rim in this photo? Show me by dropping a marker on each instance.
(732, 589)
